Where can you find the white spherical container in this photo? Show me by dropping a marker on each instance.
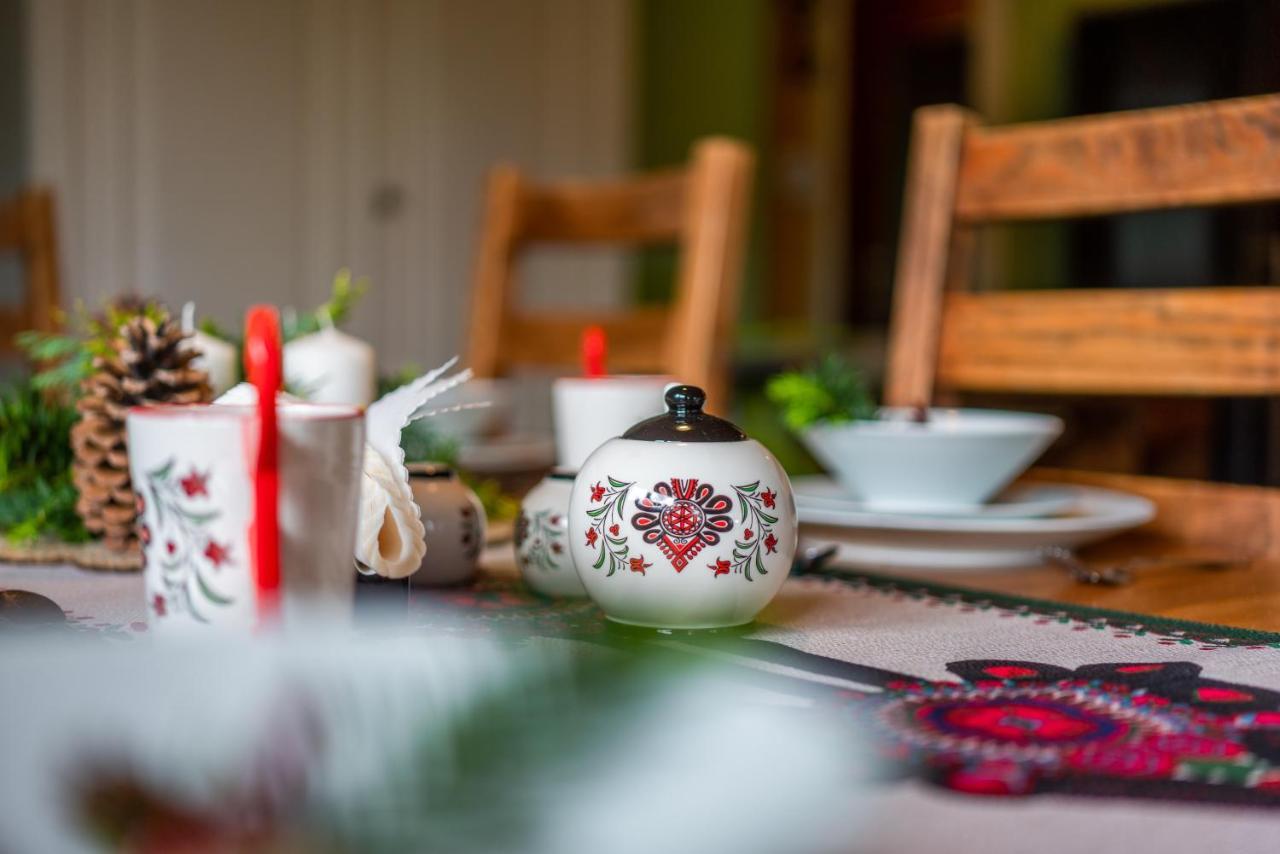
(683, 522)
(542, 538)
(454, 520)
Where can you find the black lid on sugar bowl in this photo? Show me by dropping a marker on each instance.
(684, 421)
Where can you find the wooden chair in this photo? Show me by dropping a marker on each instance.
(1185, 342)
(702, 208)
(26, 228)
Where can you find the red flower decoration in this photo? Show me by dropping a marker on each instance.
(195, 484)
(613, 529)
(158, 605)
(591, 537)
(768, 497)
(638, 565)
(144, 534)
(557, 548)
(771, 543)
(720, 567)
(170, 546)
(216, 553)
(747, 534)
(597, 492)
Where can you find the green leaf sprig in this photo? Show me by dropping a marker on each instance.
(37, 497)
(829, 392)
(65, 359)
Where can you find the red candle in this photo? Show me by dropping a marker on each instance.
(263, 366)
(594, 348)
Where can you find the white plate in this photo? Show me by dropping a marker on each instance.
(1017, 502)
(881, 539)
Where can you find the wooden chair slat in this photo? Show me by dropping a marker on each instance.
(637, 339)
(1151, 342)
(923, 254)
(702, 208)
(1215, 153)
(641, 210)
(10, 228)
(27, 228)
(1225, 520)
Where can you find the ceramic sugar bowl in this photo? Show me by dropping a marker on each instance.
(683, 522)
(542, 538)
(454, 521)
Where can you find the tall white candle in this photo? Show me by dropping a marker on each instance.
(217, 358)
(331, 366)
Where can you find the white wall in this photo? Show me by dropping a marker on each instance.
(233, 151)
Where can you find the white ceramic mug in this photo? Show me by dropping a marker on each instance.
(590, 411)
(192, 470)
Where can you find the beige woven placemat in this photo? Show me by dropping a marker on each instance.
(91, 555)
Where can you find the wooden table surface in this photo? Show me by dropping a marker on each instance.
(1245, 594)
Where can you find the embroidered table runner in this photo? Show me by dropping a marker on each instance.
(1095, 730)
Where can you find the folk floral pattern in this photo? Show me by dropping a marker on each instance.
(1135, 729)
(757, 537)
(472, 534)
(681, 517)
(189, 554)
(540, 540)
(605, 529)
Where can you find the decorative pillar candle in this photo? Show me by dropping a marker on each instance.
(589, 411)
(217, 358)
(331, 366)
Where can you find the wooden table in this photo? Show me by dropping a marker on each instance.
(1246, 595)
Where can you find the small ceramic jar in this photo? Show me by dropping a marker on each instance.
(683, 522)
(542, 538)
(454, 519)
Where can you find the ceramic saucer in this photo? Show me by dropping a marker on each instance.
(874, 540)
(1021, 501)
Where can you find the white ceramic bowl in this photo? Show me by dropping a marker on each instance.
(959, 458)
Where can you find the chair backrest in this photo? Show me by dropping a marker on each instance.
(26, 228)
(1211, 341)
(702, 208)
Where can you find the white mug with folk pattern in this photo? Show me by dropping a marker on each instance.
(192, 470)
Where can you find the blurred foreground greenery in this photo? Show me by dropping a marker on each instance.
(37, 497)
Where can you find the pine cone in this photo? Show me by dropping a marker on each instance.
(149, 365)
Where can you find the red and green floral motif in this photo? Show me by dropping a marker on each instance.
(605, 531)
(544, 532)
(681, 517)
(1139, 729)
(757, 538)
(188, 554)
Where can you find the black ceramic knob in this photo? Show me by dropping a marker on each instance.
(685, 399)
(684, 421)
